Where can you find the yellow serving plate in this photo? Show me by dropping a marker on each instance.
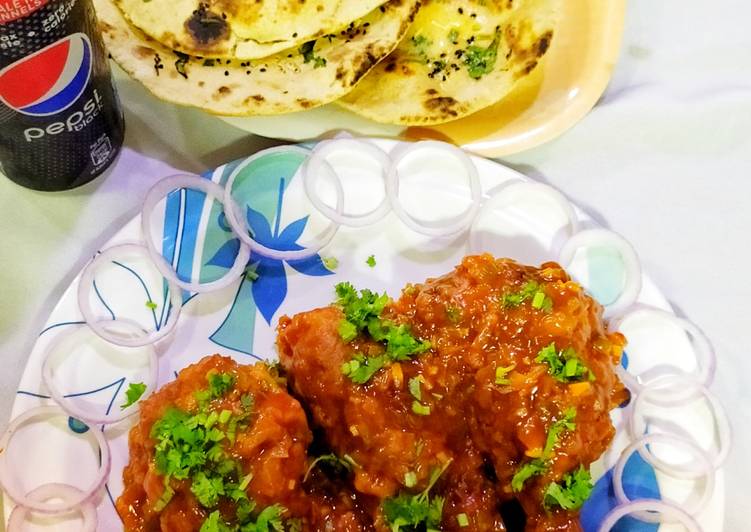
(573, 76)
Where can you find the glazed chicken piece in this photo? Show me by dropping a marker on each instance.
(262, 432)
(514, 351)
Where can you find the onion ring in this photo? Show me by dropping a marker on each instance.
(239, 224)
(590, 237)
(87, 280)
(506, 195)
(464, 220)
(70, 406)
(676, 513)
(720, 417)
(158, 192)
(41, 506)
(312, 167)
(45, 492)
(679, 472)
(702, 347)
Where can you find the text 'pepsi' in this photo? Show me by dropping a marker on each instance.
(60, 119)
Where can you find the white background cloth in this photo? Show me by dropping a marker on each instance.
(664, 159)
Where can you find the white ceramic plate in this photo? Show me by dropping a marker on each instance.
(240, 320)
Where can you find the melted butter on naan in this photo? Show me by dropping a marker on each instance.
(458, 57)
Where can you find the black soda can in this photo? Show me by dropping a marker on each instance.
(61, 124)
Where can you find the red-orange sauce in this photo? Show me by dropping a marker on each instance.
(273, 448)
(486, 430)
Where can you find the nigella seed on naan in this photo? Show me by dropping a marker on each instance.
(306, 76)
(241, 29)
(459, 56)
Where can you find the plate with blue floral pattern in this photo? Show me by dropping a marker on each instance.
(240, 320)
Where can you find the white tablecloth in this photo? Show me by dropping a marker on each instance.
(664, 159)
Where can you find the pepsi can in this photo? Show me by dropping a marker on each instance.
(61, 124)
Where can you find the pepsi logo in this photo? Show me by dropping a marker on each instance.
(49, 80)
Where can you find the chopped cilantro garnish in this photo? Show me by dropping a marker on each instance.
(248, 402)
(362, 314)
(344, 463)
(307, 50)
(268, 520)
(539, 465)
(462, 520)
(331, 263)
(133, 393)
(251, 275)
(371, 261)
(454, 36)
(421, 42)
(480, 61)
(454, 314)
(501, 374)
(420, 409)
(407, 512)
(207, 489)
(531, 290)
(564, 365)
(571, 493)
(151, 305)
(360, 309)
(361, 368)
(555, 430)
(527, 471)
(414, 387)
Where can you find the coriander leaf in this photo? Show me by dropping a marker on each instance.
(347, 330)
(214, 523)
(564, 366)
(414, 387)
(207, 489)
(133, 393)
(555, 430)
(331, 263)
(572, 492)
(151, 305)
(407, 512)
(480, 61)
(420, 409)
(360, 369)
(501, 374)
(220, 383)
(270, 519)
(307, 50)
(371, 261)
(525, 472)
(344, 463)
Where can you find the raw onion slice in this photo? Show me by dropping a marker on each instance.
(158, 192)
(72, 337)
(676, 471)
(318, 160)
(42, 506)
(448, 227)
(97, 324)
(656, 388)
(44, 493)
(674, 513)
(606, 238)
(706, 360)
(505, 198)
(238, 223)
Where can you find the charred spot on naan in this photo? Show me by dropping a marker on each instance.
(205, 27)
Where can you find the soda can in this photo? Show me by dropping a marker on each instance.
(61, 124)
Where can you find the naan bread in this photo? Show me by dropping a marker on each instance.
(458, 57)
(293, 80)
(241, 29)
